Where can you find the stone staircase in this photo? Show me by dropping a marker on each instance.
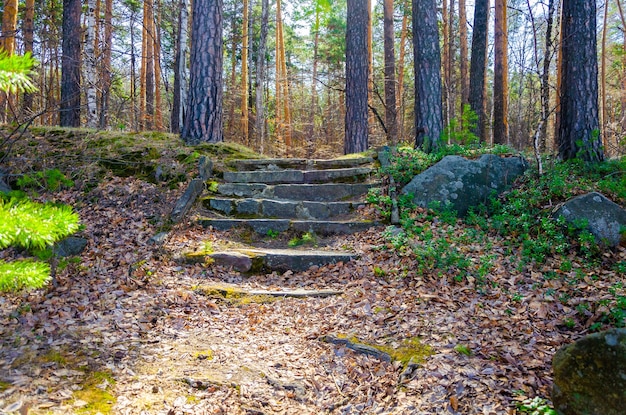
(294, 196)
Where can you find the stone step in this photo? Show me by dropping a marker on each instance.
(253, 260)
(299, 164)
(326, 192)
(343, 175)
(287, 209)
(265, 226)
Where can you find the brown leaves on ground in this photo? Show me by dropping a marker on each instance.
(131, 310)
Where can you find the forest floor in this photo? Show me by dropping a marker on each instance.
(129, 328)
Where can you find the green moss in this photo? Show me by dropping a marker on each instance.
(96, 392)
(234, 296)
(54, 356)
(204, 355)
(463, 349)
(4, 386)
(408, 350)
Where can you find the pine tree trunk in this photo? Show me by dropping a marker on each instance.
(90, 66)
(428, 105)
(148, 58)
(158, 101)
(29, 17)
(106, 64)
(579, 134)
(70, 74)
(500, 81)
(311, 127)
(180, 72)
(357, 76)
(7, 44)
(400, 95)
(478, 68)
(545, 77)
(463, 51)
(390, 78)
(623, 94)
(260, 76)
(244, 75)
(204, 119)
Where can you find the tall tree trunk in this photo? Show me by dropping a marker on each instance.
(204, 120)
(7, 44)
(90, 66)
(158, 101)
(390, 78)
(147, 55)
(463, 63)
(180, 72)
(545, 76)
(283, 113)
(70, 72)
(500, 81)
(428, 106)
(29, 17)
(135, 110)
(478, 68)
(106, 64)
(357, 68)
(445, 60)
(244, 75)
(579, 134)
(623, 94)
(316, 37)
(451, 65)
(603, 112)
(403, 36)
(260, 76)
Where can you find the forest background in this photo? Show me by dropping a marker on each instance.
(133, 69)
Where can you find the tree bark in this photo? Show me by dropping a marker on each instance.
(623, 94)
(29, 17)
(69, 114)
(390, 78)
(428, 105)
(463, 51)
(357, 75)
(579, 134)
(545, 77)
(244, 75)
(478, 66)
(180, 72)
(156, 44)
(400, 95)
(106, 64)
(204, 121)
(260, 76)
(90, 65)
(500, 81)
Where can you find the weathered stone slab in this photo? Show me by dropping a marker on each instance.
(461, 183)
(346, 175)
(590, 375)
(205, 167)
(183, 204)
(244, 189)
(296, 260)
(263, 226)
(265, 176)
(299, 164)
(605, 220)
(327, 192)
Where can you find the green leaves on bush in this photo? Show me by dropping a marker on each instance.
(23, 274)
(51, 180)
(33, 225)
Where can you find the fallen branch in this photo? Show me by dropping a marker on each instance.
(297, 293)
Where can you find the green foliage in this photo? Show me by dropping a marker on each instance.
(51, 180)
(33, 226)
(16, 72)
(535, 406)
(23, 274)
(461, 131)
(308, 238)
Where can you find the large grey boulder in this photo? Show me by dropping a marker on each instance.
(462, 183)
(604, 218)
(590, 375)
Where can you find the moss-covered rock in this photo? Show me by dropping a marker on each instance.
(590, 375)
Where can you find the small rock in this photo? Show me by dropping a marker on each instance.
(70, 246)
(158, 239)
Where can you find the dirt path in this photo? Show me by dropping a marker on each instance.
(130, 330)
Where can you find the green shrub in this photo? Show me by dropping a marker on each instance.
(36, 227)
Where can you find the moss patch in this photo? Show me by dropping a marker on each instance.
(4, 386)
(96, 394)
(233, 296)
